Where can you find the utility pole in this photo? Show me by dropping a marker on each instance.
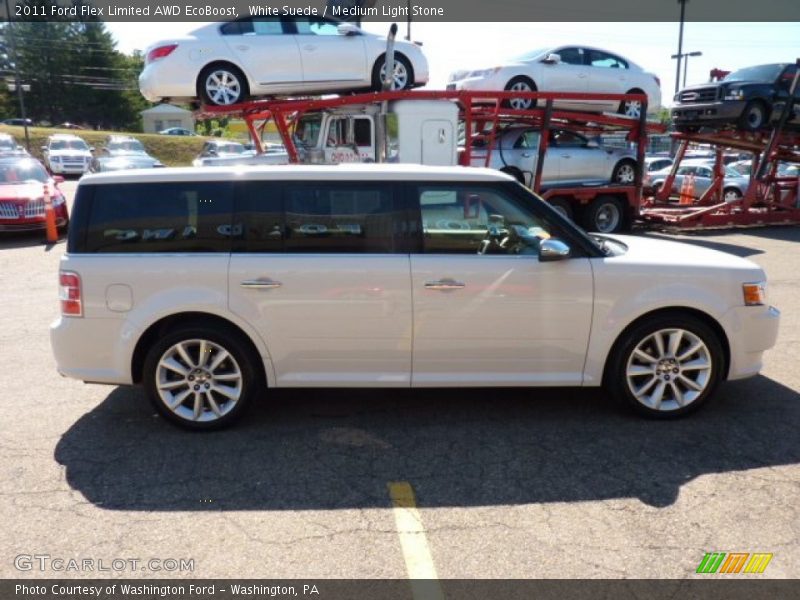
(679, 55)
(10, 36)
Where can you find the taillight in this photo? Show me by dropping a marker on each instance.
(69, 293)
(658, 81)
(160, 52)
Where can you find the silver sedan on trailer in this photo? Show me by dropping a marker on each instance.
(570, 159)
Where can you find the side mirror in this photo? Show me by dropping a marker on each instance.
(91, 149)
(58, 179)
(553, 249)
(552, 59)
(43, 148)
(347, 29)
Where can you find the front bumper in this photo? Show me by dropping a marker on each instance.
(69, 169)
(720, 111)
(751, 331)
(35, 222)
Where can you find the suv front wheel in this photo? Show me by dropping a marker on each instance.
(200, 377)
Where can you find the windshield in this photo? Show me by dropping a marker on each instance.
(760, 73)
(529, 56)
(306, 132)
(22, 172)
(68, 145)
(731, 172)
(230, 148)
(127, 146)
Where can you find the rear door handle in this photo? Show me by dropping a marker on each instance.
(309, 47)
(261, 284)
(444, 284)
(243, 48)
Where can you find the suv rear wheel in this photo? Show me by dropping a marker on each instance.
(200, 377)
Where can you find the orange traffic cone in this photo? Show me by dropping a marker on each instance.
(50, 217)
(682, 199)
(690, 189)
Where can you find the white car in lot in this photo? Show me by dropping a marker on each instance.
(224, 63)
(578, 69)
(211, 286)
(66, 154)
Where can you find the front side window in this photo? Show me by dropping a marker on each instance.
(571, 56)
(478, 219)
(567, 139)
(160, 217)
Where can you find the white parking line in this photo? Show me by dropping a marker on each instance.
(416, 552)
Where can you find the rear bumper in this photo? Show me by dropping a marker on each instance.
(751, 331)
(707, 112)
(85, 349)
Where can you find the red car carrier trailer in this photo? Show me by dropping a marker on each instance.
(482, 115)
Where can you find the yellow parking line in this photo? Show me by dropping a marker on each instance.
(416, 552)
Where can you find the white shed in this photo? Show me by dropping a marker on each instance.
(164, 116)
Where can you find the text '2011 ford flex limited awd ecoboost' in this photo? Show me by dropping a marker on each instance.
(210, 285)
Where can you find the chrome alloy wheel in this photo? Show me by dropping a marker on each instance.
(626, 174)
(520, 103)
(632, 108)
(198, 380)
(223, 87)
(399, 75)
(669, 369)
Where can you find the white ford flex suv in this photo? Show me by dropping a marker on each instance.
(210, 286)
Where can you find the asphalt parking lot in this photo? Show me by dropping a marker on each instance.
(508, 483)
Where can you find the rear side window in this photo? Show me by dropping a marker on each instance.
(160, 217)
(339, 218)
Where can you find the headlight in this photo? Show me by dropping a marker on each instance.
(755, 294)
(735, 94)
(55, 159)
(58, 200)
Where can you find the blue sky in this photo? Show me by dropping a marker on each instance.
(452, 46)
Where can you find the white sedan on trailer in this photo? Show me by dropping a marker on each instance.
(224, 63)
(573, 69)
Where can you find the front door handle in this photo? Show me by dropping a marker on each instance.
(309, 47)
(242, 48)
(444, 284)
(261, 284)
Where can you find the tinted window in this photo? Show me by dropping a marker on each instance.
(237, 27)
(571, 56)
(345, 218)
(160, 217)
(476, 219)
(258, 219)
(567, 139)
(315, 27)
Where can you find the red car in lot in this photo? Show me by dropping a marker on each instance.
(22, 186)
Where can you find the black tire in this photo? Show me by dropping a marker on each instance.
(624, 172)
(754, 116)
(616, 380)
(377, 84)
(241, 362)
(628, 108)
(515, 173)
(563, 206)
(524, 84)
(239, 91)
(606, 214)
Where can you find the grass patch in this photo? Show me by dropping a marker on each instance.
(172, 150)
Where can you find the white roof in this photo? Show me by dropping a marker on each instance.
(342, 172)
(165, 109)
